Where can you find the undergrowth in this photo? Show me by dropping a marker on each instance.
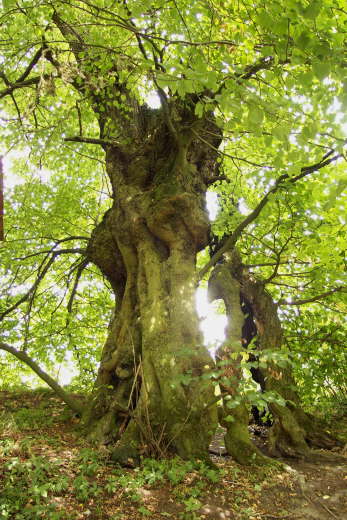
(49, 472)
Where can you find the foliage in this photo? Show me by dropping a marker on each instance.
(33, 486)
(50, 474)
(26, 489)
(317, 348)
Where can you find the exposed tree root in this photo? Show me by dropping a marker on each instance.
(127, 450)
(242, 449)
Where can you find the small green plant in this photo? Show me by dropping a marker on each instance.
(208, 472)
(7, 446)
(27, 487)
(32, 418)
(25, 446)
(131, 486)
(8, 424)
(191, 506)
(111, 484)
(144, 511)
(84, 489)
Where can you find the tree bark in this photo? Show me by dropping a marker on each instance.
(149, 395)
(294, 431)
(234, 415)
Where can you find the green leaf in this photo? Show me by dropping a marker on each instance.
(199, 109)
(306, 79)
(321, 70)
(313, 9)
(303, 41)
(280, 132)
(264, 19)
(255, 115)
(293, 170)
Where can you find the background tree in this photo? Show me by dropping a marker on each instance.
(247, 101)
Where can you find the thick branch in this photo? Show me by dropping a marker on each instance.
(22, 81)
(72, 37)
(33, 62)
(27, 83)
(251, 70)
(233, 238)
(262, 64)
(23, 356)
(166, 110)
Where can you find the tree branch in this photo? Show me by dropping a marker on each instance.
(166, 110)
(26, 83)
(225, 154)
(39, 278)
(233, 238)
(74, 40)
(35, 59)
(45, 251)
(313, 298)
(23, 356)
(270, 264)
(251, 70)
(80, 270)
(22, 81)
(278, 255)
(90, 140)
(263, 64)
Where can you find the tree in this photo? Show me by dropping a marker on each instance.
(247, 101)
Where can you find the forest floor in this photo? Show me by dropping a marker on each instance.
(47, 471)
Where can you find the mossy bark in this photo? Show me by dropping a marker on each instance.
(234, 415)
(288, 436)
(294, 432)
(149, 395)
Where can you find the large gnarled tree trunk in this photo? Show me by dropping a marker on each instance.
(149, 391)
(294, 431)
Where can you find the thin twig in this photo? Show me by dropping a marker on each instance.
(43, 269)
